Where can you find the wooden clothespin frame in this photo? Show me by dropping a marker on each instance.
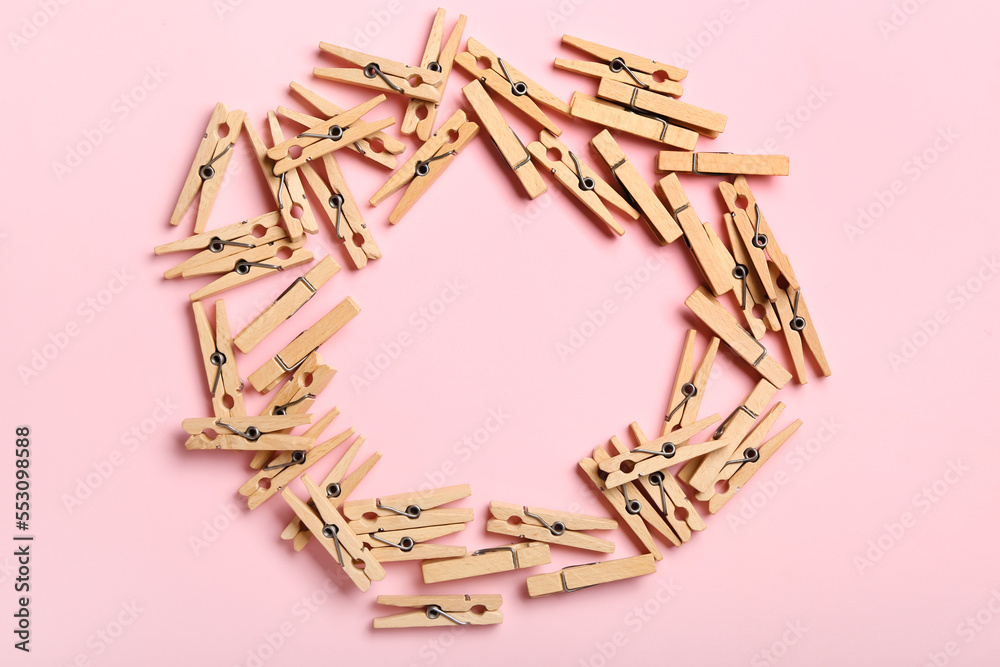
(797, 325)
(287, 304)
(409, 510)
(435, 611)
(625, 67)
(209, 165)
(580, 180)
(387, 76)
(689, 385)
(260, 254)
(493, 560)
(577, 577)
(213, 243)
(325, 523)
(265, 378)
(553, 526)
(721, 163)
(615, 117)
(388, 146)
(217, 354)
(436, 58)
(246, 273)
(389, 546)
(286, 466)
(511, 147)
(703, 121)
(637, 192)
(762, 238)
(427, 164)
(338, 485)
(247, 433)
(660, 454)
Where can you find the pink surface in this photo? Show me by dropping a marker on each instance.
(859, 543)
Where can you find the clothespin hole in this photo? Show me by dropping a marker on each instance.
(452, 136)
(369, 516)
(722, 486)
(307, 379)
(484, 63)
(258, 231)
(681, 513)
(295, 152)
(781, 282)
(478, 610)
(264, 483)
(415, 80)
(210, 433)
(358, 564)
(228, 401)
(514, 520)
(554, 154)
(378, 146)
(742, 201)
(659, 76)
(358, 239)
(421, 112)
(283, 253)
(223, 130)
(296, 212)
(627, 466)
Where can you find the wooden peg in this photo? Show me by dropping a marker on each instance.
(553, 526)
(797, 325)
(436, 58)
(762, 230)
(493, 560)
(259, 255)
(414, 501)
(689, 385)
(392, 546)
(292, 180)
(618, 118)
(217, 240)
(217, 354)
(219, 250)
(629, 65)
(603, 71)
(247, 433)
(287, 192)
(747, 469)
(434, 611)
(721, 163)
(243, 274)
(387, 76)
(576, 577)
(702, 121)
(658, 454)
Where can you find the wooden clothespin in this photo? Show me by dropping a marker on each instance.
(576, 577)
(265, 378)
(703, 473)
(244, 273)
(338, 485)
(427, 164)
(436, 58)
(506, 81)
(380, 74)
(553, 526)
(287, 304)
(511, 147)
(390, 546)
(738, 197)
(245, 234)
(259, 254)
(247, 433)
(327, 136)
(325, 523)
(645, 102)
(625, 67)
(796, 323)
(379, 147)
(209, 166)
(637, 191)
(493, 560)
(725, 326)
(721, 163)
(286, 466)
(689, 385)
(660, 454)
(619, 118)
(224, 383)
(408, 510)
(580, 180)
(434, 611)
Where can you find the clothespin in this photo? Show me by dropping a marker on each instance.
(700, 237)
(721, 163)
(505, 80)
(580, 180)
(427, 164)
(327, 136)
(689, 385)
(436, 59)
(259, 254)
(245, 234)
(224, 383)
(413, 543)
(756, 234)
(702, 473)
(748, 290)
(338, 485)
(493, 560)
(625, 67)
(407, 511)
(325, 523)
(265, 378)
(641, 101)
(379, 147)
(247, 272)
(725, 326)
(576, 577)
(286, 466)
(287, 304)
(511, 147)
(209, 166)
(637, 191)
(381, 74)
(619, 118)
(247, 433)
(435, 611)
(796, 323)
(554, 526)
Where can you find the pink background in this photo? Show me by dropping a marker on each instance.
(785, 579)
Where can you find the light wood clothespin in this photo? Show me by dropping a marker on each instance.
(434, 611)
(417, 509)
(427, 164)
(637, 191)
(576, 577)
(230, 238)
(387, 76)
(511, 147)
(553, 526)
(797, 325)
(325, 523)
(259, 254)
(245, 272)
(390, 546)
(763, 238)
(580, 180)
(209, 166)
(689, 385)
(703, 121)
(247, 433)
(437, 59)
(625, 67)
(725, 326)
(265, 378)
(493, 560)
(287, 304)
(660, 454)
(217, 354)
(722, 163)
(619, 118)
